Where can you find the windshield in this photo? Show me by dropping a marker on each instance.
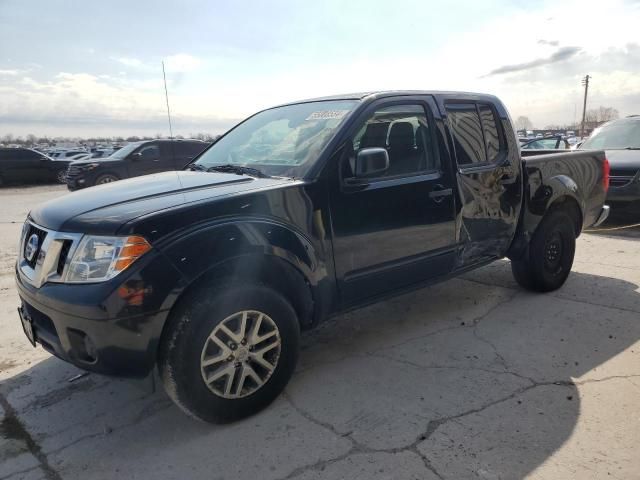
(124, 151)
(283, 141)
(615, 135)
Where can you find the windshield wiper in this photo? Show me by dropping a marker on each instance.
(631, 148)
(195, 167)
(239, 170)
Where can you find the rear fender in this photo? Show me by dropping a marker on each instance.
(541, 196)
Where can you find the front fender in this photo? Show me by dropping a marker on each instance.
(196, 252)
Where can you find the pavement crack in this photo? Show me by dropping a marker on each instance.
(19, 472)
(427, 463)
(314, 420)
(12, 427)
(557, 294)
(452, 367)
(148, 411)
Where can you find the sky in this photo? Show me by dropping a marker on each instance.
(87, 68)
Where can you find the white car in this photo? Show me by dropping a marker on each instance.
(79, 156)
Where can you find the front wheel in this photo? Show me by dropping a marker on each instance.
(61, 176)
(227, 356)
(550, 258)
(107, 178)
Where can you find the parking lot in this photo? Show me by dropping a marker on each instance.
(472, 378)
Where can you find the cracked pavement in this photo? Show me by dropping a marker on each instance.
(471, 378)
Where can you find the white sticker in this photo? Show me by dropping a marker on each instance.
(327, 114)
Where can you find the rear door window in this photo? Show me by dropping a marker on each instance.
(490, 131)
(476, 134)
(466, 128)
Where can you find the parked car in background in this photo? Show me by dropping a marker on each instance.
(66, 154)
(23, 165)
(300, 212)
(621, 141)
(102, 152)
(79, 156)
(133, 160)
(556, 142)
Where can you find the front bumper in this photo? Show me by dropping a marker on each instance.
(76, 183)
(113, 327)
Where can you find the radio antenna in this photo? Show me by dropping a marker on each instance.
(166, 96)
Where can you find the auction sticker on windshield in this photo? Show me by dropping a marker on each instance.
(327, 114)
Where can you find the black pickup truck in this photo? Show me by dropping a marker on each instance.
(299, 212)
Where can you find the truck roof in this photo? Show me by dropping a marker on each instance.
(372, 95)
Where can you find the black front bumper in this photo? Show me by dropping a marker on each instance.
(78, 182)
(95, 327)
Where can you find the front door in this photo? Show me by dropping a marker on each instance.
(397, 228)
(146, 160)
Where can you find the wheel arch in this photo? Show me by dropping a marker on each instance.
(563, 199)
(265, 270)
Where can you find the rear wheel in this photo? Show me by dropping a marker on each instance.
(227, 356)
(550, 258)
(106, 178)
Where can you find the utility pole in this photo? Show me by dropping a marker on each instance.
(585, 83)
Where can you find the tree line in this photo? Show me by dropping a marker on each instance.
(31, 139)
(593, 119)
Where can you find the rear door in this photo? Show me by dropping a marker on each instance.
(489, 178)
(398, 228)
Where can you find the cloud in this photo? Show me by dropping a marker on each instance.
(552, 43)
(128, 61)
(82, 103)
(182, 62)
(560, 55)
(10, 73)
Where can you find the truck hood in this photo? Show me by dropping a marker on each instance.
(624, 160)
(104, 208)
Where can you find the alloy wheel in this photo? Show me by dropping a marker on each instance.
(240, 354)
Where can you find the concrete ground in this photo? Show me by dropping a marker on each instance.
(472, 378)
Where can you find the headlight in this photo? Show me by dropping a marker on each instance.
(89, 166)
(101, 258)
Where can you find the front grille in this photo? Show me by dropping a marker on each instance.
(47, 263)
(41, 234)
(73, 171)
(64, 252)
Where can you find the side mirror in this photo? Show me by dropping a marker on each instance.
(371, 161)
(136, 156)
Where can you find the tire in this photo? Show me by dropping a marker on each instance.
(106, 178)
(548, 263)
(61, 176)
(187, 345)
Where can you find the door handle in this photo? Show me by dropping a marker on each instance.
(445, 192)
(507, 179)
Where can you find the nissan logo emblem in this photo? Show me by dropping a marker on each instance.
(31, 247)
